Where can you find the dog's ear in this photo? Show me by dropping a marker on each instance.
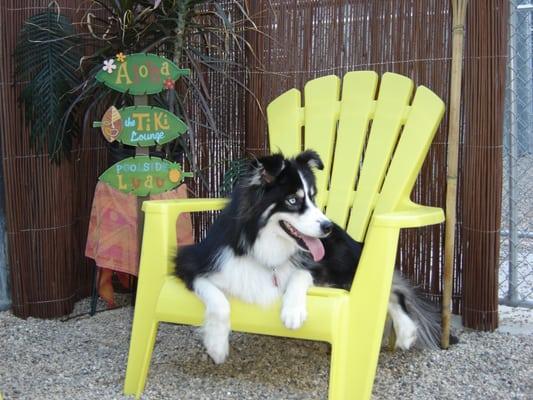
(310, 158)
(267, 169)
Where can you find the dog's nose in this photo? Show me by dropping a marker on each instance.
(326, 227)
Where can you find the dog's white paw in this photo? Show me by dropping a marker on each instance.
(293, 317)
(406, 336)
(216, 335)
(217, 347)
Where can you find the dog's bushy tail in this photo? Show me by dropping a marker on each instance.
(425, 313)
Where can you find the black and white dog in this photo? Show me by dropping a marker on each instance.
(271, 241)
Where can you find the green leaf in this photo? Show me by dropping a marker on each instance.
(46, 61)
(236, 170)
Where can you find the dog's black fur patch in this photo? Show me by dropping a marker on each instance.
(269, 181)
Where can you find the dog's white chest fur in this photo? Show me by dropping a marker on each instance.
(261, 275)
(271, 249)
(247, 279)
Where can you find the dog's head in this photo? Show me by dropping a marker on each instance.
(287, 199)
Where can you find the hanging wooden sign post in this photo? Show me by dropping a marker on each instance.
(140, 126)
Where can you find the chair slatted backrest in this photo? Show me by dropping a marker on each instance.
(372, 148)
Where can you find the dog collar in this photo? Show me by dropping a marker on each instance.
(274, 278)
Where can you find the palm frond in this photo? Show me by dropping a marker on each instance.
(236, 170)
(46, 60)
(199, 34)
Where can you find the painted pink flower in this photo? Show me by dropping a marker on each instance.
(169, 83)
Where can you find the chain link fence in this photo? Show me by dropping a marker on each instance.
(516, 250)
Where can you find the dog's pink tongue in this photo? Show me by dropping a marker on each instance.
(315, 246)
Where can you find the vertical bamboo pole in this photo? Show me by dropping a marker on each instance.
(459, 16)
(140, 151)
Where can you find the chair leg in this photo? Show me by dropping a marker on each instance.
(392, 339)
(357, 339)
(353, 360)
(143, 334)
(155, 266)
(341, 377)
(350, 377)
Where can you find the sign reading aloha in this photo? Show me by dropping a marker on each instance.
(140, 125)
(140, 73)
(144, 175)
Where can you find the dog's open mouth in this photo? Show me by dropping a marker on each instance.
(308, 243)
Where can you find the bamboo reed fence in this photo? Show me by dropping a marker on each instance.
(480, 186)
(214, 151)
(47, 206)
(307, 39)
(300, 40)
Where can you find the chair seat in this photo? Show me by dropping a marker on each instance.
(177, 304)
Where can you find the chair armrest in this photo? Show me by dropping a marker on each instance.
(183, 205)
(411, 216)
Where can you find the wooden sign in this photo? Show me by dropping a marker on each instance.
(139, 73)
(144, 175)
(140, 125)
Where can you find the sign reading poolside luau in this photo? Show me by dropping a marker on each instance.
(144, 175)
(141, 126)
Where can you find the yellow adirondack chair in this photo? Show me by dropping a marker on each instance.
(352, 321)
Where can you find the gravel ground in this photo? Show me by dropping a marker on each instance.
(85, 358)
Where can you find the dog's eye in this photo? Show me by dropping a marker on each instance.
(291, 200)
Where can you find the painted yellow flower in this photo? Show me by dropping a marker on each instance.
(121, 57)
(174, 175)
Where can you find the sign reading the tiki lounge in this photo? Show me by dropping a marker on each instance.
(140, 73)
(144, 175)
(140, 125)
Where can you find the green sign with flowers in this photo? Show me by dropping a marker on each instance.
(139, 73)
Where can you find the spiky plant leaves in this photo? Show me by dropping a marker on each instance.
(199, 34)
(46, 62)
(236, 170)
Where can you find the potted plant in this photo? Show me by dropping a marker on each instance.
(197, 34)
